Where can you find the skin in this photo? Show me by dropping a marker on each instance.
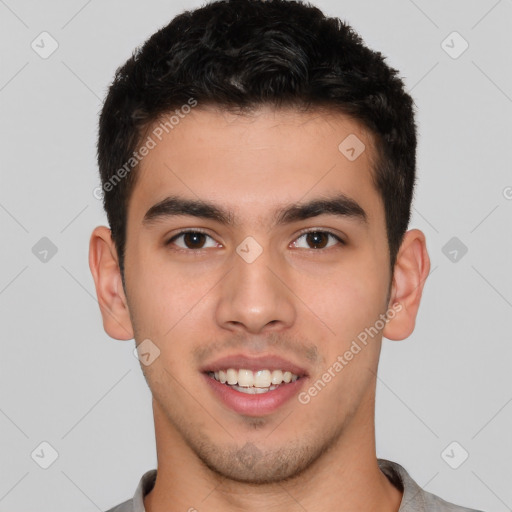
(303, 303)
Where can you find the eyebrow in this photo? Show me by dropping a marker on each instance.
(339, 205)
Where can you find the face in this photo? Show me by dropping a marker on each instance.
(284, 264)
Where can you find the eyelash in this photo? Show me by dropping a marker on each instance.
(193, 231)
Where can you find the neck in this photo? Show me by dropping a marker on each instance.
(345, 478)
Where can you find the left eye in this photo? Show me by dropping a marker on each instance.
(318, 239)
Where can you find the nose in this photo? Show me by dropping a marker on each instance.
(255, 297)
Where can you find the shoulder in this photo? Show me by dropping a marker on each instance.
(126, 506)
(436, 504)
(136, 504)
(414, 498)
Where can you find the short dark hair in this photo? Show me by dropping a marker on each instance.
(244, 54)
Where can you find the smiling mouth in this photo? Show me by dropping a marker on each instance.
(253, 382)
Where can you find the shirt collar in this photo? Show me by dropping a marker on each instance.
(413, 495)
(145, 485)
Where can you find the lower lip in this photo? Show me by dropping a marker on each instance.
(254, 405)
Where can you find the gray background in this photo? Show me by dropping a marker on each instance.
(65, 382)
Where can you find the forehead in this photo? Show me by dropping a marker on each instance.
(251, 164)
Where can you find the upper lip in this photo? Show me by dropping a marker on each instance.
(241, 361)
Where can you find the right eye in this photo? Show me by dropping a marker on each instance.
(191, 240)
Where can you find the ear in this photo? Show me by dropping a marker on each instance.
(410, 272)
(105, 270)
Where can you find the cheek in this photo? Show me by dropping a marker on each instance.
(348, 301)
(350, 306)
(155, 296)
(169, 301)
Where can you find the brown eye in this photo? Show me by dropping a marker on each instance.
(192, 240)
(318, 240)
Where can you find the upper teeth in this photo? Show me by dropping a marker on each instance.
(258, 379)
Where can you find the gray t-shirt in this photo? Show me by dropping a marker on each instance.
(414, 498)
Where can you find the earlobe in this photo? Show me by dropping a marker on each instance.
(109, 290)
(410, 272)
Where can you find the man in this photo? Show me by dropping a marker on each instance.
(258, 168)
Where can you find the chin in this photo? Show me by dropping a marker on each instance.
(251, 465)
